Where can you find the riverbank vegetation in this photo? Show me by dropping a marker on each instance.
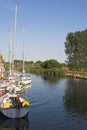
(49, 67)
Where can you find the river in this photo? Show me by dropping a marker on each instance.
(56, 104)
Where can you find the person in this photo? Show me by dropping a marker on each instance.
(18, 102)
(15, 102)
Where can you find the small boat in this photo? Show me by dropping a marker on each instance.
(21, 88)
(13, 106)
(3, 88)
(75, 76)
(17, 87)
(25, 79)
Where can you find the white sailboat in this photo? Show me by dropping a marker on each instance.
(13, 106)
(9, 78)
(25, 78)
(12, 75)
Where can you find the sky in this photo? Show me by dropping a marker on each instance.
(47, 24)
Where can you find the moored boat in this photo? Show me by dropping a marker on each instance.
(3, 88)
(13, 106)
(17, 87)
(25, 79)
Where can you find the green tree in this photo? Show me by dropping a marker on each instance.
(49, 64)
(76, 49)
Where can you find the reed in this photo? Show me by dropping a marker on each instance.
(48, 72)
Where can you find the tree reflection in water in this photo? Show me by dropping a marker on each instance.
(51, 80)
(75, 98)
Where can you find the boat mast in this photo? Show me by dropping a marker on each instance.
(14, 39)
(23, 51)
(9, 53)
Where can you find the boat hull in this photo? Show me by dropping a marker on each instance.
(26, 82)
(15, 112)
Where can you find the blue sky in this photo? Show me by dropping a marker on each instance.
(47, 23)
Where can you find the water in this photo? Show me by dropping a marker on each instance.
(56, 104)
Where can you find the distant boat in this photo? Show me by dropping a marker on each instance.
(24, 78)
(74, 76)
(3, 89)
(13, 106)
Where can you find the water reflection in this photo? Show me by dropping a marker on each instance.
(75, 97)
(13, 124)
(51, 80)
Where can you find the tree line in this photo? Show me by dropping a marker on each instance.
(49, 67)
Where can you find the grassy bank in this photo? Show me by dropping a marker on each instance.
(49, 72)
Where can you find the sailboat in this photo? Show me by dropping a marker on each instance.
(12, 75)
(15, 82)
(24, 78)
(13, 106)
(8, 79)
